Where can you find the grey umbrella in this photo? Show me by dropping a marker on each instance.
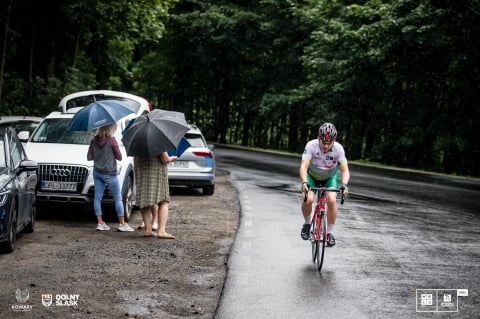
(154, 133)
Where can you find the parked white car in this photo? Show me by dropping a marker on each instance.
(64, 174)
(195, 168)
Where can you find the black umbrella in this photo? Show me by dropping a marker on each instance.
(154, 133)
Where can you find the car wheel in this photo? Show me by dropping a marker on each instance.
(128, 198)
(33, 219)
(9, 245)
(208, 190)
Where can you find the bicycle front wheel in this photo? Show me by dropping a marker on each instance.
(322, 241)
(314, 240)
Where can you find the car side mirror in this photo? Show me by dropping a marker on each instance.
(28, 165)
(211, 146)
(23, 135)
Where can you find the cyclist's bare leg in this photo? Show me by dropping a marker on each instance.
(307, 206)
(332, 207)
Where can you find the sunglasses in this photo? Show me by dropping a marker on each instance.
(326, 142)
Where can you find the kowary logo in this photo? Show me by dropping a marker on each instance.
(22, 298)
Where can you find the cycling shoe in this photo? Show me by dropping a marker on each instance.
(305, 234)
(330, 240)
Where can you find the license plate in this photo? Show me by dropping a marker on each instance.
(180, 164)
(59, 186)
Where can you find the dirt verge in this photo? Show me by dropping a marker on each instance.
(92, 274)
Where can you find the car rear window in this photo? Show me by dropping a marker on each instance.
(86, 100)
(195, 140)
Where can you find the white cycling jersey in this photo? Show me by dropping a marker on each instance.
(323, 165)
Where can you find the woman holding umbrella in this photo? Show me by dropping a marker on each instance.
(148, 140)
(153, 192)
(104, 151)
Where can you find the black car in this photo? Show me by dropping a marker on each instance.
(18, 178)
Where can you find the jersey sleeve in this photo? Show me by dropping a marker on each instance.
(307, 152)
(342, 158)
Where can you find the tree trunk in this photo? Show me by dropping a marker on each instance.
(4, 51)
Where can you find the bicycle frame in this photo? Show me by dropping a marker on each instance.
(318, 231)
(320, 211)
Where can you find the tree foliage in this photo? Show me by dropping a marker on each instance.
(398, 78)
(402, 79)
(56, 47)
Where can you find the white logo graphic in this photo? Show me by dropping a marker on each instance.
(426, 299)
(60, 300)
(47, 300)
(22, 296)
(462, 292)
(438, 300)
(65, 300)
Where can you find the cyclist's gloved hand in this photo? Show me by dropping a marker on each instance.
(305, 187)
(344, 189)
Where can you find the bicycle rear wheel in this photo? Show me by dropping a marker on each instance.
(321, 241)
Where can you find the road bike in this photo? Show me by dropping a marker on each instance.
(318, 229)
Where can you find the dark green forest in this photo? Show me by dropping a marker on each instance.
(399, 79)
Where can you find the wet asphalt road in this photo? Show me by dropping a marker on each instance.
(401, 237)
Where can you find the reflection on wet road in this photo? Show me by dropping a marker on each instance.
(395, 236)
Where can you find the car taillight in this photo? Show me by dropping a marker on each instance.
(203, 154)
(150, 106)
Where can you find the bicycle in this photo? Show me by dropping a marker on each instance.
(318, 231)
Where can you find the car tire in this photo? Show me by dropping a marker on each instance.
(9, 245)
(128, 197)
(208, 190)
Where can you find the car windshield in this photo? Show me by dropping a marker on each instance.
(57, 131)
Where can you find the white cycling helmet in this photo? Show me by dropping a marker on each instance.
(327, 132)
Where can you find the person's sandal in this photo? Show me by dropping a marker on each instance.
(149, 235)
(165, 236)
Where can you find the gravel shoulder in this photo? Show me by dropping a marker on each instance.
(92, 274)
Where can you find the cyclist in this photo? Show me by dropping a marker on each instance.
(321, 160)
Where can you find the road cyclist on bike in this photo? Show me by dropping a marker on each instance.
(321, 160)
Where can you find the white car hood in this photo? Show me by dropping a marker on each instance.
(58, 153)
